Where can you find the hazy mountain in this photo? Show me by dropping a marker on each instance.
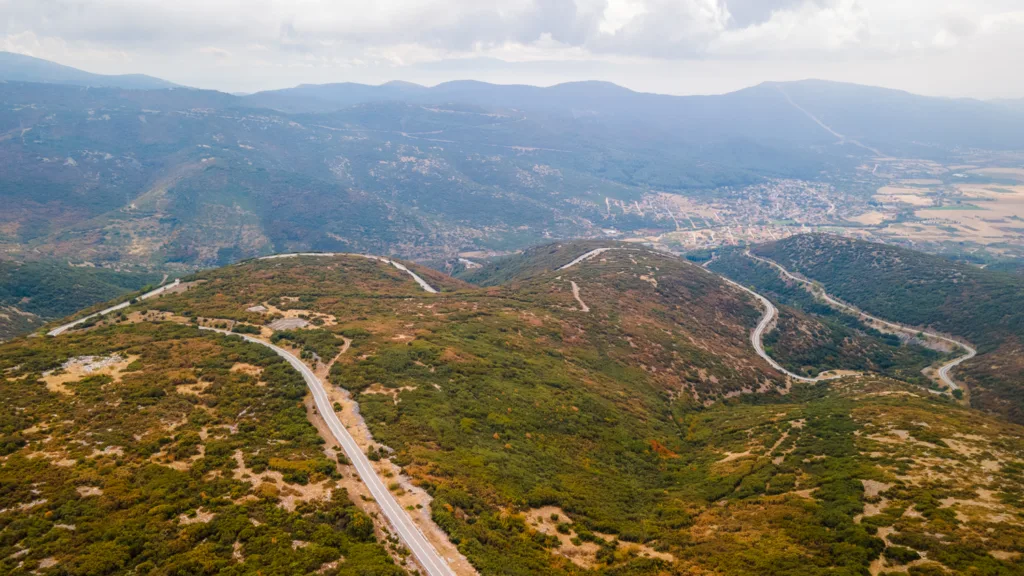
(803, 113)
(21, 68)
(198, 177)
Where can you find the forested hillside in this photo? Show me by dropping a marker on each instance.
(984, 307)
(197, 178)
(606, 419)
(35, 292)
(811, 337)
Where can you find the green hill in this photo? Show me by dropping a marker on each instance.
(642, 436)
(982, 306)
(35, 292)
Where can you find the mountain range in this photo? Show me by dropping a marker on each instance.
(184, 178)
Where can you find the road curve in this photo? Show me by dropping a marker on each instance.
(62, 329)
(943, 371)
(423, 283)
(408, 532)
(757, 336)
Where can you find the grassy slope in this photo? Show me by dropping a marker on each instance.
(512, 399)
(918, 289)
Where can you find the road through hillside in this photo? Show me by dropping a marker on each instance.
(62, 329)
(756, 337)
(944, 370)
(423, 283)
(407, 530)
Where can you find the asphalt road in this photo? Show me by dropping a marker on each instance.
(585, 257)
(944, 370)
(423, 283)
(757, 336)
(408, 532)
(62, 329)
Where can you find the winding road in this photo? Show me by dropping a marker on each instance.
(426, 555)
(757, 335)
(944, 370)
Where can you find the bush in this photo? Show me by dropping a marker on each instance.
(901, 555)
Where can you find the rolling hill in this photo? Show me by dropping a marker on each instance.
(22, 68)
(607, 418)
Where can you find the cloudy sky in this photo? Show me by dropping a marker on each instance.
(938, 47)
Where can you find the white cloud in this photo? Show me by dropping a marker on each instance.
(251, 44)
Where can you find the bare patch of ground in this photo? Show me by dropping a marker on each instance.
(392, 392)
(288, 324)
(200, 517)
(83, 366)
(869, 218)
(576, 295)
(547, 519)
(272, 482)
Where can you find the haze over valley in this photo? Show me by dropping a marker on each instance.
(593, 316)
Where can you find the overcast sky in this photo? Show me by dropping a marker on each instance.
(938, 47)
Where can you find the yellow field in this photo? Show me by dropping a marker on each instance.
(869, 218)
(911, 199)
(1014, 173)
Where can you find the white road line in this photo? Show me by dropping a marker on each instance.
(407, 530)
(62, 329)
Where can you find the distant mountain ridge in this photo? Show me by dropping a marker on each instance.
(808, 112)
(21, 68)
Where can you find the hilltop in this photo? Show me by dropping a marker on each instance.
(607, 418)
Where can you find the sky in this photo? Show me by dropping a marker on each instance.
(936, 47)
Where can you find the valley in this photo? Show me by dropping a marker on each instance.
(475, 329)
